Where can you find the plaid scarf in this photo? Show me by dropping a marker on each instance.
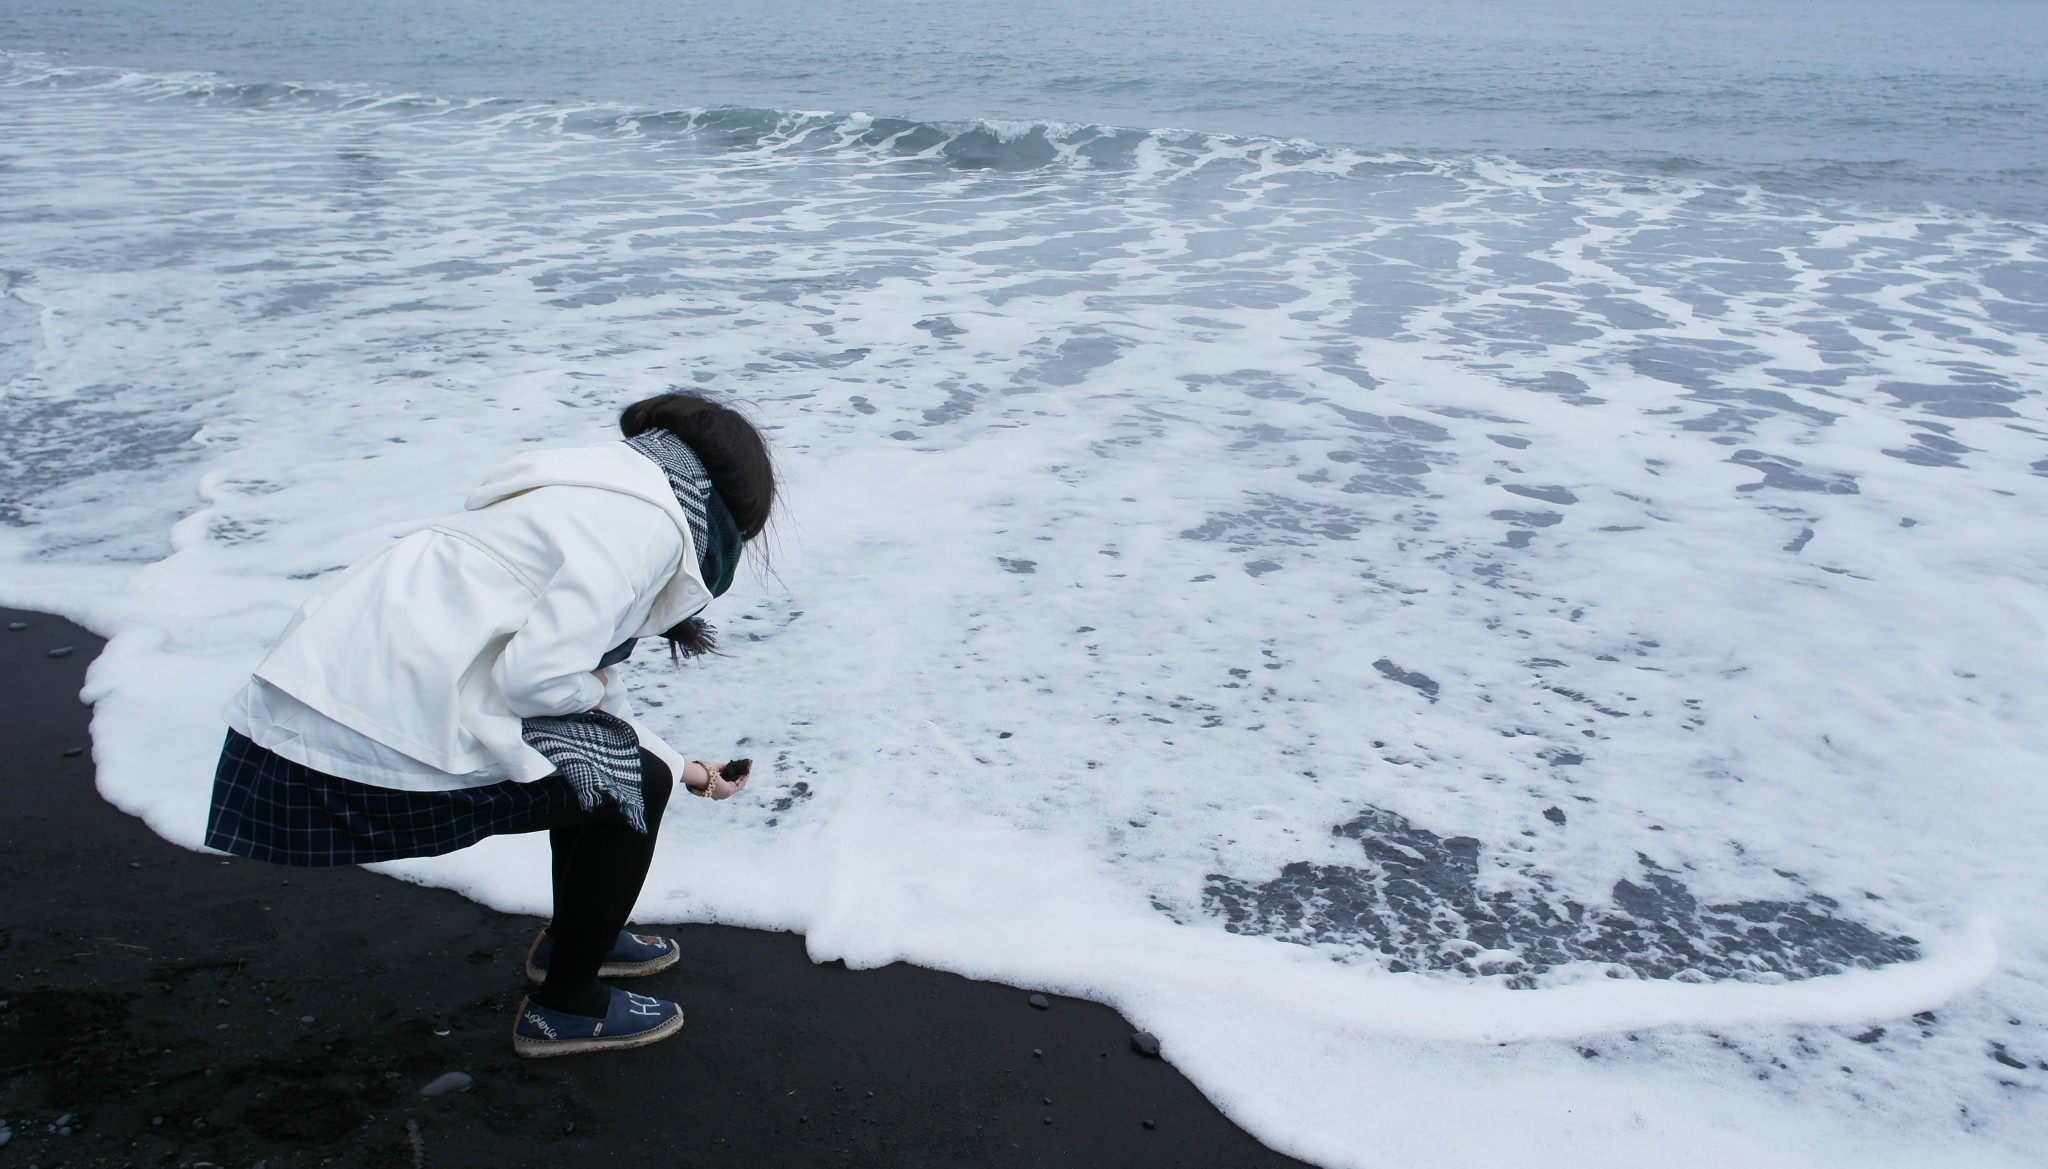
(598, 753)
(713, 531)
(686, 477)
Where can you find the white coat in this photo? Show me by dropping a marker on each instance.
(413, 668)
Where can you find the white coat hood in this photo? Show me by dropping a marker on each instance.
(610, 467)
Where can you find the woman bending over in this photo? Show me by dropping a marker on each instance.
(459, 683)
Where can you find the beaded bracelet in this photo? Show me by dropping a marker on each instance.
(710, 781)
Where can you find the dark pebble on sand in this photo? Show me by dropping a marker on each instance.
(1151, 1124)
(73, 752)
(1145, 1043)
(16, 626)
(448, 1082)
(62, 651)
(1040, 1001)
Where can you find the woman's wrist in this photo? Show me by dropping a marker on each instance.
(706, 777)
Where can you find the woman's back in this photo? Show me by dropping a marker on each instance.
(438, 645)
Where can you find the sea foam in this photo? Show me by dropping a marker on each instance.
(1485, 663)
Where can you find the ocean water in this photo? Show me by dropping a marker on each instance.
(1478, 570)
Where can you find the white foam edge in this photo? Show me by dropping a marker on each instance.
(1042, 915)
(1056, 923)
(1200, 973)
(1328, 1052)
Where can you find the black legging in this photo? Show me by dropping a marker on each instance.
(599, 865)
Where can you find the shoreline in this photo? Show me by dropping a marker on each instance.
(179, 1008)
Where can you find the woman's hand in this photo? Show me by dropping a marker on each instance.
(698, 772)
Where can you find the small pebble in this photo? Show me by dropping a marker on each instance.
(1151, 1124)
(64, 1120)
(156, 1121)
(134, 864)
(1145, 1043)
(1035, 1053)
(1048, 1120)
(65, 1131)
(220, 1026)
(16, 626)
(73, 752)
(1047, 1099)
(62, 651)
(1039, 1001)
(305, 1018)
(448, 1082)
(5, 1136)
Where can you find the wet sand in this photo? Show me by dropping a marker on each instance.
(183, 1010)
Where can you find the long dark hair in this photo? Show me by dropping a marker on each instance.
(735, 456)
(732, 451)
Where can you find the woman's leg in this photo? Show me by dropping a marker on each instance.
(598, 870)
(562, 846)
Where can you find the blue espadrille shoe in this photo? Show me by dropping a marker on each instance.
(631, 956)
(630, 1020)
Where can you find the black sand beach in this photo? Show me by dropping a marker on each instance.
(170, 1008)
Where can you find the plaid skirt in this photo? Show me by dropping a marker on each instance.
(268, 808)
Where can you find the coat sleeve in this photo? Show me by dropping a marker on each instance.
(616, 556)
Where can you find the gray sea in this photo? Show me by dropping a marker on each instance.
(1477, 567)
(1897, 102)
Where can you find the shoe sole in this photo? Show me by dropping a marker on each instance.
(539, 974)
(546, 1048)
